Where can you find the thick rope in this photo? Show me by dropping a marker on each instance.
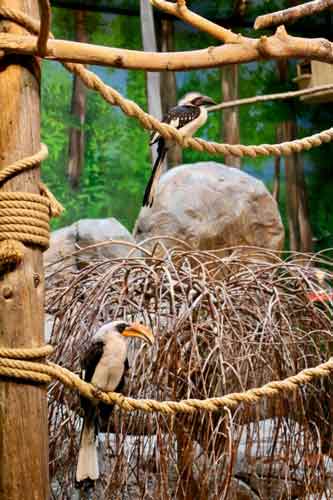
(25, 164)
(24, 217)
(148, 122)
(13, 364)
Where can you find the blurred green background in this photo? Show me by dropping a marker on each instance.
(117, 162)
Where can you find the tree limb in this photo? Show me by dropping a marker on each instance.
(279, 46)
(45, 24)
(291, 14)
(271, 97)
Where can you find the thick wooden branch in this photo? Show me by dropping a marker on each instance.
(45, 24)
(279, 46)
(62, 50)
(292, 14)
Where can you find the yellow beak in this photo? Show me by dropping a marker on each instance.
(141, 331)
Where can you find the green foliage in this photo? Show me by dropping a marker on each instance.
(117, 160)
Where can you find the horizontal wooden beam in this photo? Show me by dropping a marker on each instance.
(279, 46)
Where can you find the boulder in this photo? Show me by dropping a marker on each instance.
(80, 235)
(211, 206)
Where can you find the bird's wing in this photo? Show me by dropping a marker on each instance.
(90, 360)
(177, 117)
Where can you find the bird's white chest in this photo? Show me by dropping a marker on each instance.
(110, 367)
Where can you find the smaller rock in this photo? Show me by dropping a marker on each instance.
(86, 232)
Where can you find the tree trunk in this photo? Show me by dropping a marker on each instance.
(300, 233)
(230, 117)
(169, 87)
(153, 84)
(306, 237)
(23, 406)
(289, 132)
(277, 169)
(78, 113)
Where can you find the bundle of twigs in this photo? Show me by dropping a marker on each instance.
(222, 325)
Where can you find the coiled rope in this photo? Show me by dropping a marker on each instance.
(24, 217)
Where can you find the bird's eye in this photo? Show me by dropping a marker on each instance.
(120, 327)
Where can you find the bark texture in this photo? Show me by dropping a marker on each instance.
(78, 113)
(23, 406)
(153, 81)
(169, 87)
(230, 117)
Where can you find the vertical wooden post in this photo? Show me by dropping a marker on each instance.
(78, 111)
(153, 79)
(23, 406)
(230, 117)
(169, 87)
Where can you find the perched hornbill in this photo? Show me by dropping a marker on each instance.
(104, 364)
(188, 116)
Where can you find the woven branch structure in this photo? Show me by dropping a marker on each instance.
(224, 326)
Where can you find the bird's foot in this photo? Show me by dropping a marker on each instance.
(98, 393)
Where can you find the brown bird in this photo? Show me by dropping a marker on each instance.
(104, 365)
(188, 116)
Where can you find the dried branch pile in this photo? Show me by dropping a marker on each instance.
(222, 325)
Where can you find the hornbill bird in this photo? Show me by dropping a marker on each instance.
(104, 364)
(188, 116)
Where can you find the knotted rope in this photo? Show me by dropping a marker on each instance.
(13, 364)
(24, 217)
(148, 122)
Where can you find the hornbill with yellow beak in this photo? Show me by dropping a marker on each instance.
(104, 364)
(188, 116)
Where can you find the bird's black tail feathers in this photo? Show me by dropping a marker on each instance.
(148, 197)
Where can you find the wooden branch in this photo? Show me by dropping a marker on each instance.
(271, 97)
(292, 14)
(62, 50)
(45, 24)
(180, 10)
(279, 46)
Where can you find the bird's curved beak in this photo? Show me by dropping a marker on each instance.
(207, 100)
(140, 331)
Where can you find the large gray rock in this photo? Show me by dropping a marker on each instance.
(80, 235)
(211, 206)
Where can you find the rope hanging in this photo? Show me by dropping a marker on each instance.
(148, 122)
(13, 364)
(24, 217)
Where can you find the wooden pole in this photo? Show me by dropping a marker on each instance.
(78, 111)
(23, 406)
(230, 117)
